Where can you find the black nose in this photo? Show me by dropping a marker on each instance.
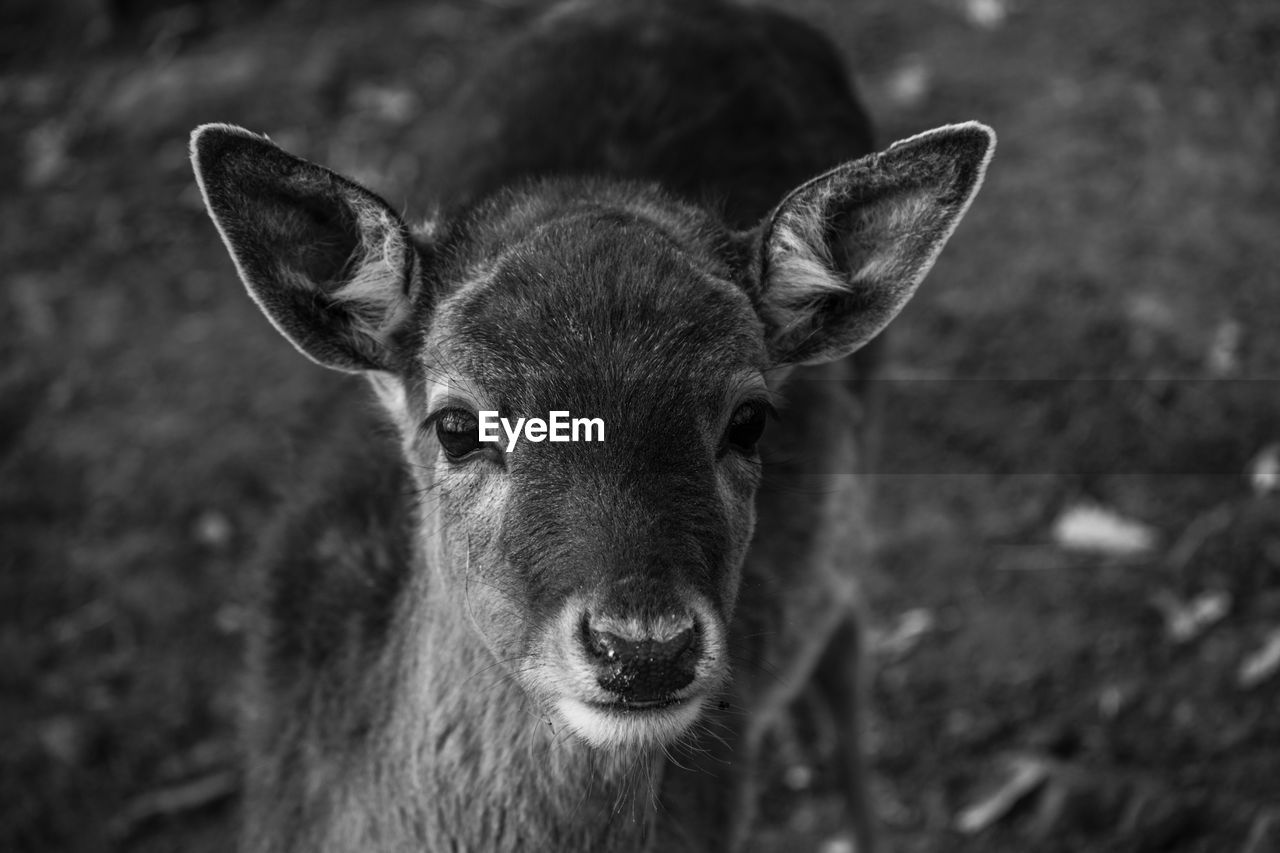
(641, 661)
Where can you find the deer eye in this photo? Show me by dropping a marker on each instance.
(747, 426)
(458, 432)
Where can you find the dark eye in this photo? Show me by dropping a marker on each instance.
(746, 426)
(458, 432)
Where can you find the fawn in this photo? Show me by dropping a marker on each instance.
(664, 216)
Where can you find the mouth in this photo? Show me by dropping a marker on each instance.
(631, 707)
(622, 724)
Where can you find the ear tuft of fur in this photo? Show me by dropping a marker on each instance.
(844, 252)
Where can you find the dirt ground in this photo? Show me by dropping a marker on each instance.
(1080, 573)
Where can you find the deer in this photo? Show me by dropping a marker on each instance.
(670, 217)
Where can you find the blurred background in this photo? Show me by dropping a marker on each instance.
(1077, 613)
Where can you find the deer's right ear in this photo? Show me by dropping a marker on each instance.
(843, 253)
(330, 263)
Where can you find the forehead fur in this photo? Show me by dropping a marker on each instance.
(561, 291)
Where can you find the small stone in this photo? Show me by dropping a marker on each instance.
(910, 83)
(64, 738)
(798, 777)
(1112, 699)
(213, 529)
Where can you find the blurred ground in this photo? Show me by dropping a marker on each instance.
(1081, 540)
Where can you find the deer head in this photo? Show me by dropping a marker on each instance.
(601, 574)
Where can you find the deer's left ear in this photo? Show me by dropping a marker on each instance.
(843, 253)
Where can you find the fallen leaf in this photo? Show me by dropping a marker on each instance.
(1264, 835)
(1223, 359)
(204, 790)
(1194, 535)
(47, 155)
(391, 104)
(1264, 470)
(838, 845)
(1261, 664)
(988, 14)
(906, 633)
(1100, 530)
(1184, 621)
(1024, 774)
